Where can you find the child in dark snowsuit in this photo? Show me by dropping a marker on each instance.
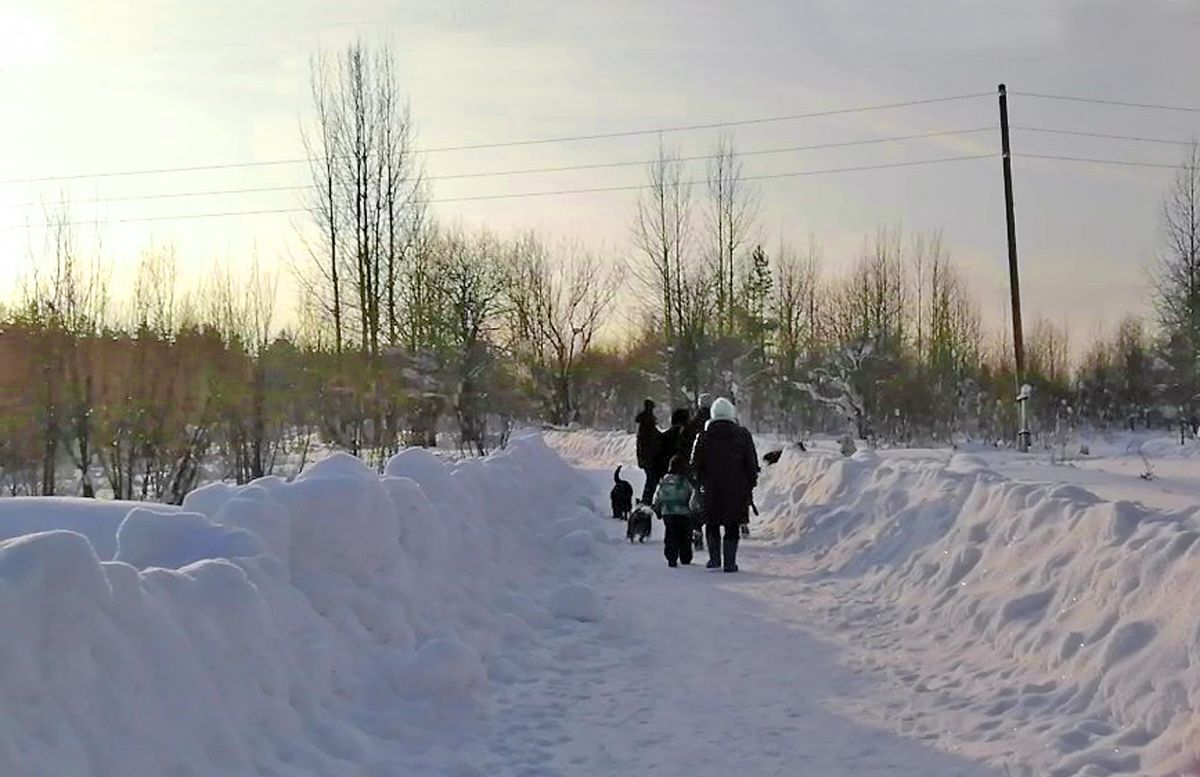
(671, 502)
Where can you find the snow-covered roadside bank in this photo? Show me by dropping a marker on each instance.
(342, 624)
(1034, 627)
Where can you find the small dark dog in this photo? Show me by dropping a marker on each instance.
(621, 496)
(640, 521)
(772, 457)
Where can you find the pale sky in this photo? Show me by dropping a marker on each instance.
(90, 87)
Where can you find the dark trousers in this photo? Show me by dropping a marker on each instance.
(652, 478)
(678, 543)
(718, 547)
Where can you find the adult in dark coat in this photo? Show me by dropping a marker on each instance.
(687, 445)
(670, 442)
(649, 440)
(726, 465)
(692, 430)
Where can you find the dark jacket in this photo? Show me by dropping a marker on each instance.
(687, 438)
(668, 446)
(726, 466)
(648, 439)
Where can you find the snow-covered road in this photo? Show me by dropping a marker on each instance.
(717, 686)
(695, 675)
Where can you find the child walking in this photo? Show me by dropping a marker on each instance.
(672, 504)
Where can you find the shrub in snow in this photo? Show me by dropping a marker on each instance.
(846, 445)
(576, 601)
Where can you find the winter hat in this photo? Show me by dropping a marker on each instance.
(723, 410)
(648, 404)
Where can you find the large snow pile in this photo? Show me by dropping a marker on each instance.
(302, 628)
(1015, 612)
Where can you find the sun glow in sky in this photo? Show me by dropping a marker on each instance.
(26, 39)
(131, 85)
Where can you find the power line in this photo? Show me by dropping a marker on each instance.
(522, 142)
(534, 170)
(1097, 101)
(171, 195)
(518, 195)
(1122, 162)
(1106, 136)
(718, 124)
(768, 176)
(699, 157)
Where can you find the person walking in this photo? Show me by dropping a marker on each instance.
(687, 445)
(725, 464)
(649, 440)
(672, 503)
(671, 441)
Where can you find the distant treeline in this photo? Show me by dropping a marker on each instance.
(406, 328)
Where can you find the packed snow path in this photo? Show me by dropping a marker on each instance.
(699, 679)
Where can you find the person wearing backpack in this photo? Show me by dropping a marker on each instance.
(672, 503)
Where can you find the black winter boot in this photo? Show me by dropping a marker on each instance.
(730, 545)
(712, 533)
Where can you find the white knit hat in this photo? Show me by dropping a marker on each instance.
(723, 410)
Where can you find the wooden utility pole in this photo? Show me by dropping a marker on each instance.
(1013, 280)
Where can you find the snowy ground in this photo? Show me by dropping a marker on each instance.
(1026, 624)
(901, 613)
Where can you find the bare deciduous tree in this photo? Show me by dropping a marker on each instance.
(732, 209)
(1177, 283)
(556, 307)
(662, 233)
(367, 202)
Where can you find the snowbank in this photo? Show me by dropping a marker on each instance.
(95, 519)
(303, 628)
(1025, 611)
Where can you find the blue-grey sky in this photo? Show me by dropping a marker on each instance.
(93, 87)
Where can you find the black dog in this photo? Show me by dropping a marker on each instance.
(621, 496)
(772, 457)
(640, 521)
